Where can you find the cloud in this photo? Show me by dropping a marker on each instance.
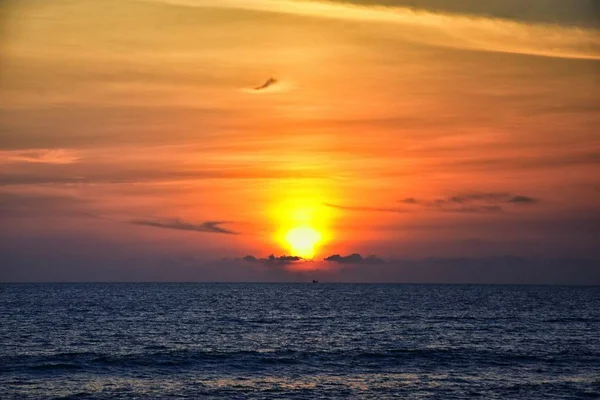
(364, 208)
(270, 82)
(273, 260)
(271, 85)
(462, 203)
(409, 200)
(469, 197)
(440, 29)
(557, 160)
(39, 156)
(354, 258)
(103, 174)
(523, 200)
(208, 226)
(474, 209)
(283, 259)
(478, 202)
(578, 12)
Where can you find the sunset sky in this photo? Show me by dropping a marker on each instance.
(453, 141)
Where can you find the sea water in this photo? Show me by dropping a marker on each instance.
(298, 341)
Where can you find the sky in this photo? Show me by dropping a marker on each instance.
(262, 140)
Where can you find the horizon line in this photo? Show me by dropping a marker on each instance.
(309, 282)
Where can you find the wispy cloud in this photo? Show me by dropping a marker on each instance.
(365, 208)
(461, 203)
(522, 200)
(536, 161)
(208, 226)
(104, 173)
(447, 30)
(39, 156)
(472, 202)
(354, 258)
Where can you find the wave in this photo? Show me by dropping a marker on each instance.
(195, 358)
(55, 366)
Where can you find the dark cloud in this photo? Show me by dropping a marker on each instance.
(477, 202)
(208, 226)
(523, 200)
(364, 208)
(409, 200)
(474, 209)
(283, 259)
(470, 197)
(461, 203)
(273, 260)
(354, 258)
(269, 82)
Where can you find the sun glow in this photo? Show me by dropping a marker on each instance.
(302, 241)
(302, 225)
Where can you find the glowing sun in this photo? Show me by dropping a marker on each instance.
(302, 241)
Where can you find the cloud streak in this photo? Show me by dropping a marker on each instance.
(365, 208)
(462, 203)
(208, 226)
(472, 202)
(354, 258)
(440, 29)
(39, 156)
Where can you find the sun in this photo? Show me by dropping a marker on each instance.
(302, 241)
(301, 225)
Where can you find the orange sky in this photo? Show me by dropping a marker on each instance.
(136, 124)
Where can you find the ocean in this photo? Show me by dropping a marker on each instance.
(298, 341)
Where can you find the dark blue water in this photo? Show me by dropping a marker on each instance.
(299, 341)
